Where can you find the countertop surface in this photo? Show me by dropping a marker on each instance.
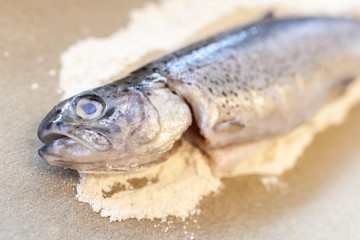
(319, 198)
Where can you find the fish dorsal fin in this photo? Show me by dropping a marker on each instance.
(268, 16)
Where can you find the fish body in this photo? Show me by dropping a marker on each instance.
(244, 85)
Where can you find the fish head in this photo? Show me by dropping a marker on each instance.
(104, 129)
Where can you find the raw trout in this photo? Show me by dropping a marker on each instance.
(240, 86)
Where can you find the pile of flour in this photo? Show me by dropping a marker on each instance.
(176, 186)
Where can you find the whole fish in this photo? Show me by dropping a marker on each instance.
(240, 86)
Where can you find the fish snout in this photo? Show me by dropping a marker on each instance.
(47, 129)
(53, 120)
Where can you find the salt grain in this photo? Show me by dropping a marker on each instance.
(274, 182)
(6, 54)
(40, 59)
(52, 72)
(34, 86)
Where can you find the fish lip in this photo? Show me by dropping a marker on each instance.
(55, 159)
(52, 135)
(46, 152)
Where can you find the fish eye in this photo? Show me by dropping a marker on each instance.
(88, 108)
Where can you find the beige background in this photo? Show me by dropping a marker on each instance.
(37, 201)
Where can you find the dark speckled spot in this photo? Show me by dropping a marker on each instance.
(210, 90)
(224, 94)
(173, 92)
(109, 113)
(116, 128)
(125, 89)
(48, 126)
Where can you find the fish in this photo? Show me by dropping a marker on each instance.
(241, 86)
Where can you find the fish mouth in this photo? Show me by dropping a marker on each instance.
(88, 138)
(69, 146)
(53, 136)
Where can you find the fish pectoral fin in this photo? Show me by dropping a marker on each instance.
(230, 126)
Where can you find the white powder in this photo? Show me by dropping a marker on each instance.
(274, 182)
(172, 188)
(176, 186)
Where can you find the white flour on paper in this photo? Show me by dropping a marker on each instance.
(172, 188)
(177, 186)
